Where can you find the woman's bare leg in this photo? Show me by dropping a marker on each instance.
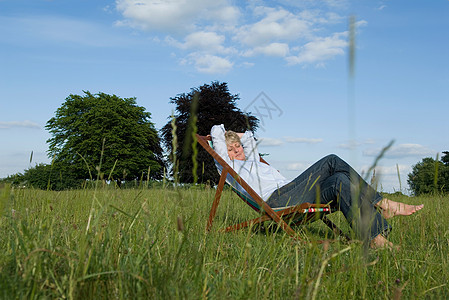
(392, 208)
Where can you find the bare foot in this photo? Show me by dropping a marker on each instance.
(380, 242)
(392, 208)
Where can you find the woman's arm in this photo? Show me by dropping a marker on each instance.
(249, 146)
(217, 133)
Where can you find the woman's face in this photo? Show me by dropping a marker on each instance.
(235, 151)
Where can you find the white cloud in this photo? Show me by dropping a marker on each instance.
(302, 140)
(403, 150)
(297, 166)
(225, 16)
(204, 40)
(393, 170)
(20, 124)
(350, 145)
(273, 49)
(361, 23)
(320, 49)
(265, 141)
(174, 16)
(222, 33)
(207, 63)
(387, 176)
(337, 3)
(387, 170)
(247, 64)
(270, 142)
(277, 24)
(208, 42)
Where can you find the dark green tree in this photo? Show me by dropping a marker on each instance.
(45, 176)
(445, 171)
(51, 177)
(14, 179)
(429, 176)
(104, 135)
(445, 158)
(197, 111)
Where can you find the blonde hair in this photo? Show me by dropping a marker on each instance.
(231, 137)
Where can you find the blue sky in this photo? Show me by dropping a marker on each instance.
(290, 56)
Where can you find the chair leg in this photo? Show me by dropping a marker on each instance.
(335, 228)
(245, 224)
(213, 210)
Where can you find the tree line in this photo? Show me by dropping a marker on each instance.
(105, 137)
(430, 175)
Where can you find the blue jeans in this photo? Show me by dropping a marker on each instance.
(333, 181)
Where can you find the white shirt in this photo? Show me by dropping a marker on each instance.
(262, 178)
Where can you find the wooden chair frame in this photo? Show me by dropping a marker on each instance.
(280, 216)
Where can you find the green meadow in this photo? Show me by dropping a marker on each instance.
(151, 242)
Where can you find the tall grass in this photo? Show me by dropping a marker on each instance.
(152, 243)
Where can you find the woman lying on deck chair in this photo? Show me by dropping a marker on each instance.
(329, 180)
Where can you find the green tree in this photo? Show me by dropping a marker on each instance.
(445, 171)
(445, 158)
(14, 179)
(44, 176)
(104, 133)
(429, 176)
(197, 111)
(51, 177)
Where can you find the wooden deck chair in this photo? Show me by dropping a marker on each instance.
(284, 216)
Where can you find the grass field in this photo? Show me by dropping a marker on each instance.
(151, 243)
